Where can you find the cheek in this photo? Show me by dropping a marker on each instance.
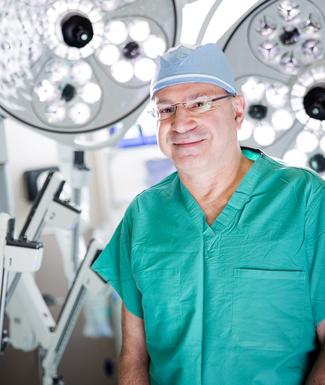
(162, 138)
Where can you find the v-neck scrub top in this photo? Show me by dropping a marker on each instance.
(236, 302)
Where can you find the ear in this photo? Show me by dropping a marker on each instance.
(238, 103)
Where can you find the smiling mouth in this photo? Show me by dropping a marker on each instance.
(186, 144)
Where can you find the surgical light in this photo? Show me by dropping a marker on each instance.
(281, 75)
(69, 66)
(267, 117)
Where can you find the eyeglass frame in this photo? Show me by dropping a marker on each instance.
(155, 112)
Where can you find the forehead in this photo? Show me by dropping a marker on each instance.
(185, 91)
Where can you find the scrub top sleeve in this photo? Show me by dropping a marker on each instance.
(315, 231)
(113, 265)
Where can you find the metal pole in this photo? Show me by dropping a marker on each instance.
(6, 192)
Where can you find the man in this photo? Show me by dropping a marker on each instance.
(221, 266)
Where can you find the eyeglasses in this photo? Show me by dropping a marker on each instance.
(196, 106)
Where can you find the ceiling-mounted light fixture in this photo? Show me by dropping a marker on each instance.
(282, 76)
(72, 67)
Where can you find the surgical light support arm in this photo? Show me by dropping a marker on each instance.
(17, 256)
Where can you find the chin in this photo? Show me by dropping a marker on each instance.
(189, 163)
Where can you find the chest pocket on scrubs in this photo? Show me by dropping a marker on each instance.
(268, 309)
(160, 289)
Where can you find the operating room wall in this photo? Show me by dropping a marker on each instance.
(27, 149)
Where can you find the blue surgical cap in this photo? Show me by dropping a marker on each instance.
(193, 64)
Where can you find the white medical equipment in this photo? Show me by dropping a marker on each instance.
(30, 321)
(16, 256)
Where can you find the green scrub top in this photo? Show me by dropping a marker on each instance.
(236, 302)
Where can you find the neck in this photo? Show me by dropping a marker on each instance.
(218, 184)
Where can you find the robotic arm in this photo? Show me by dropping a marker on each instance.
(15, 256)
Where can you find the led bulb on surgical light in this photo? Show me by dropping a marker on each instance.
(122, 71)
(282, 120)
(306, 141)
(109, 5)
(144, 69)
(154, 46)
(265, 26)
(139, 30)
(253, 90)
(264, 134)
(116, 32)
(79, 113)
(289, 63)
(312, 49)
(57, 70)
(91, 93)
(268, 50)
(289, 9)
(277, 95)
(295, 157)
(311, 25)
(55, 113)
(46, 91)
(81, 72)
(108, 54)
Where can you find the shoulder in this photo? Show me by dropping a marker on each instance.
(300, 178)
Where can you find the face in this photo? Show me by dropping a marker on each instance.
(199, 141)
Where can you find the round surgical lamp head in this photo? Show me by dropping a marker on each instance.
(281, 73)
(79, 70)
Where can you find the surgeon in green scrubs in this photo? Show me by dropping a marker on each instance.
(221, 265)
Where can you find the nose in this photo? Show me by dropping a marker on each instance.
(182, 120)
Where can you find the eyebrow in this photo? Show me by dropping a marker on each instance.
(190, 97)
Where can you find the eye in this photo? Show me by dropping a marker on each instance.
(166, 110)
(199, 105)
